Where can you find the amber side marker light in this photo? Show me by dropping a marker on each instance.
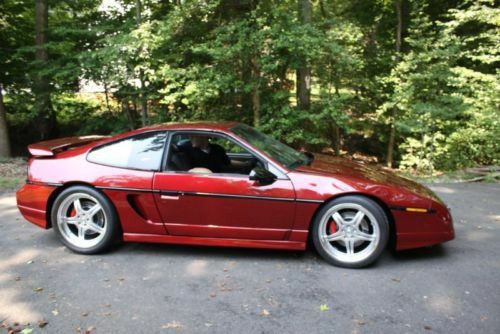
(416, 210)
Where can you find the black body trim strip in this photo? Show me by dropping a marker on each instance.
(283, 199)
(177, 193)
(50, 184)
(128, 189)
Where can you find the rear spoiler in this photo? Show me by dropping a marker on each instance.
(48, 148)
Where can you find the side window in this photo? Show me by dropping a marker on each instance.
(143, 151)
(227, 145)
(205, 153)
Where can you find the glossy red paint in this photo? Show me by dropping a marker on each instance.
(227, 210)
(207, 206)
(32, 201)
(48, 148)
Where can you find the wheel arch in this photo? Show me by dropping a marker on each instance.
(392, 224)
(60, 189)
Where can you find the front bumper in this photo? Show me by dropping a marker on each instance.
(32, 200)
(416, 230)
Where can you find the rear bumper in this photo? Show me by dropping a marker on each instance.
(32, 200)
(416, 230)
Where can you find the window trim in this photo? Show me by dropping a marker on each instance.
(234, 140)
(128, 137)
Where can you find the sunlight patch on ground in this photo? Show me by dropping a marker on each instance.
(478, 235)
(21, 258)
(444, 304)
(14, 310)
(441, 189)
(196, 268)
(495, 218)
(8, 201)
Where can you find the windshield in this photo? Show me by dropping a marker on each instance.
(280, 152)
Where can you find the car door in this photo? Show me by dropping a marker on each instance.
(219, 205)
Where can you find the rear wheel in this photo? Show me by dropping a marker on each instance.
(84, 220)
(350, 231)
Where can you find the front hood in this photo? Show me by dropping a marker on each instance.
(348, 169)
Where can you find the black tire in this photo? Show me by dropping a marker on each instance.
(332, 251)
(112, 231)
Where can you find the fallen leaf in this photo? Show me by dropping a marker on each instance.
(225, 270)
(323, 307)
(397, 280)
(27, 331)
(84, 314)
(89, 330)
(264, 313)
(268, 281)
(172, 325)
(38, 289)
(30, 262)
(42, 323)
(55, 312)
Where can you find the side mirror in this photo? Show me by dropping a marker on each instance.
(262, 175)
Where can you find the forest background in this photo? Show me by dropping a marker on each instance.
(412, 83)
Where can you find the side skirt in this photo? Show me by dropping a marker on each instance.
(244, 243)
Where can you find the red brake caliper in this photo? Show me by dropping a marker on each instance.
(333, 227)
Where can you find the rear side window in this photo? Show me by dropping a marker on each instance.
(143, 151)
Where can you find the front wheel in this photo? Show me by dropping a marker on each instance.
(85, 220)
(350, 231)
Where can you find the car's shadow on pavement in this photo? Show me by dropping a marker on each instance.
(208, 251)
(390, 257)
(420, 254)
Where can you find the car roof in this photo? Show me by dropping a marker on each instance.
(222, 126)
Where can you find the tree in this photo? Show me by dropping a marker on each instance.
(399, 32)
(4, 131)
(304, 70)
(41, 88)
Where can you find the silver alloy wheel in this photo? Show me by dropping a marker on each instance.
(82, 220)
(354, 236)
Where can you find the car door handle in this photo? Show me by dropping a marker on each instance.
(170, 195)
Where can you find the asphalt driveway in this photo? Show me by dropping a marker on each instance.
(144, 288)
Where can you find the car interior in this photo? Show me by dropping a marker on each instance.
(180, 158)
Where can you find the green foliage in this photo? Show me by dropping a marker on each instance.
(447, 105)
(237, 60)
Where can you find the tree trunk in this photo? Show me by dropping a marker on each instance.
(4, 130)
(255, 91)
(143, 98)
(392, 134)
(106, 95)
(138, 9)
(45, 117)
(128, 112)
(304, 71)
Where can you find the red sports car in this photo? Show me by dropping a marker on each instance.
(223, 184)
